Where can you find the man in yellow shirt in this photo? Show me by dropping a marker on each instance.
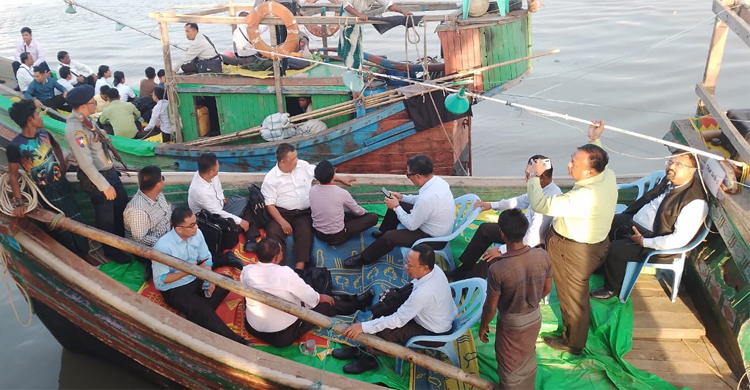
(577, 242)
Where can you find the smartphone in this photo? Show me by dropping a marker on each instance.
(386, 192)
(547, 163)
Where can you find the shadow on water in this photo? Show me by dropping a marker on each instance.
(97, 375)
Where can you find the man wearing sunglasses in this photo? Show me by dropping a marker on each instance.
(182, 291)
(667, 217)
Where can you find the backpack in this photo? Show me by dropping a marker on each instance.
(220, 233)
(255, 211)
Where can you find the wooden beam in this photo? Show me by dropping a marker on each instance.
(713, 61)
(277, 74)
(209, 11)
(727, 128)
(169, 74)
(411, 6)
(740, 26)
(272, 20)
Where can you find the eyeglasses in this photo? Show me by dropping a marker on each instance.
(90, 103)
(411, 174)
(192, 225)
(671, 162)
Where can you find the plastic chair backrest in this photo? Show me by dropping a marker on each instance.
(690, 246)
(469, 296)
(645, 183)
(466, 211)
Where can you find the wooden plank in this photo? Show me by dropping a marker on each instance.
(727, 128)
(740, 26)
(667, 326)
(713, 61)
(658, 304)
(485, 49)
(477, 47)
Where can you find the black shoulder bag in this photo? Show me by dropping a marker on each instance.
(391, 300)
(220, 233)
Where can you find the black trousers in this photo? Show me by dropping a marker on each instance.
(109, 213)
(392, 238)
(352, 225)
(60, 194)
(286, 337)
(623, 250)
(487, 234)
(190, 301)
(57, 103)
(302, 231)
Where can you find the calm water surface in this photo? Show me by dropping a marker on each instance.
(634, 64)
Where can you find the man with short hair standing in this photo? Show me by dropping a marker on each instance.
(429, 310)
(516, 283)
(82, 73)
(428, 214)
(577, 242)
(97, 174)
(286, 192)
(185, 292)
(29, 45)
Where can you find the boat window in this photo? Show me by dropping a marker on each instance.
(296, 105)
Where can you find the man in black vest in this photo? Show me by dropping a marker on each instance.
(667, 217)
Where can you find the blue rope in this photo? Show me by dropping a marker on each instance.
(329, 334)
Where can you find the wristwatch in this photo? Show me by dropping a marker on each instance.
(17, 203)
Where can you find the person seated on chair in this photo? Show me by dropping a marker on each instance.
(489, 232)
(64, 79)
(428, 214)
(516, 283)
(270, 275)
(328, 203)
(41, 90)
(429, 310)
(121, 116)
(25, 72)
(667, 217)
(286, 192)
(182, 291)
(205, 191)
(160, 122)
(200, 48)
(147, 215)
(82, 74)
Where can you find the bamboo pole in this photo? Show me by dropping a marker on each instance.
(713, 61)
(306, 314)
(171, 84)
(277, 73)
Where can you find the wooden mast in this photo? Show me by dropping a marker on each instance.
(713, 61)
(171, 85)
(277, 73)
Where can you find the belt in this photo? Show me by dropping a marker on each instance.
(552, 229)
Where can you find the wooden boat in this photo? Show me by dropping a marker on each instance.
(374, 137)
(720, 269)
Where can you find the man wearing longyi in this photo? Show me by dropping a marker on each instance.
(577, 241)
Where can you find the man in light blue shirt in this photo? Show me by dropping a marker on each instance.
(182, 291)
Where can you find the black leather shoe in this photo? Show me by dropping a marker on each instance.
(2, 81)
(353, 262)
(17, 89)
(365, 299)
(560, 345)
(377, 233)
(347, 353)
(363, 364)
(602, 293)
(250, 245)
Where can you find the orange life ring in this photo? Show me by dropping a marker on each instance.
(292, 29)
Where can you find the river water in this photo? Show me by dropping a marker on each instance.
(632, 63)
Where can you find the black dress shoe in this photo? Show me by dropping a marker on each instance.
(2, 81)
(17, 89)
(363, 364)
(377, 233)
(365, 299)
(560, 345)
(250, 245)
(347, 353)
(602, 293)
(353, 262)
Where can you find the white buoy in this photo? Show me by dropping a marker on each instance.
(478, 7)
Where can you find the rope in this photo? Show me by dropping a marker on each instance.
(710, 367)
(6, 271)
(31, 197)
(329, 335)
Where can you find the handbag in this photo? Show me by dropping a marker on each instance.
(390, 300)
(210, 65)
(319, 278)
(220, 233)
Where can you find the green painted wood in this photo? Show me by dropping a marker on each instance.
(485, 42)
(186, 110)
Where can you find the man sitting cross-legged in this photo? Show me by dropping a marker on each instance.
(667, 217)
(489, 232)
(182, 291)
(429, 310)
(336, 216)
(428, 214)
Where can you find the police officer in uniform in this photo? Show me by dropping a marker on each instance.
(97, 174)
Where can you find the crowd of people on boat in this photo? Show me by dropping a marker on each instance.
(566, 236)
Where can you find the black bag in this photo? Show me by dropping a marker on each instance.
(319, 278)
(255, 211)
(210, 65)
(391, 300)
(220, 233)
(236, 205)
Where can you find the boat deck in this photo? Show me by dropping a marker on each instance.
(670, 342)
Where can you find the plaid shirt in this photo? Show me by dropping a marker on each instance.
(147, 220)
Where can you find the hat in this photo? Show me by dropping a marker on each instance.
(80, 95)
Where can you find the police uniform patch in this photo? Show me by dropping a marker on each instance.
(81, 139)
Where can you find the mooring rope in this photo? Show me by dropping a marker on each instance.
(31, 196)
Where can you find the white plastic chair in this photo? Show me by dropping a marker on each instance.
(643, 184)
(469, 306)
(633, 269)
(464, 217)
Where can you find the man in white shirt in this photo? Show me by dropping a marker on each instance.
(270, 275)
(82, 73)
(205, 192)
(25, 72)
(489, 232)
(243, 48)
(200, 48)
(29, 45)
(286, 192)
(429, 310)
(428, 214)
(667, 217)
(64, 78)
